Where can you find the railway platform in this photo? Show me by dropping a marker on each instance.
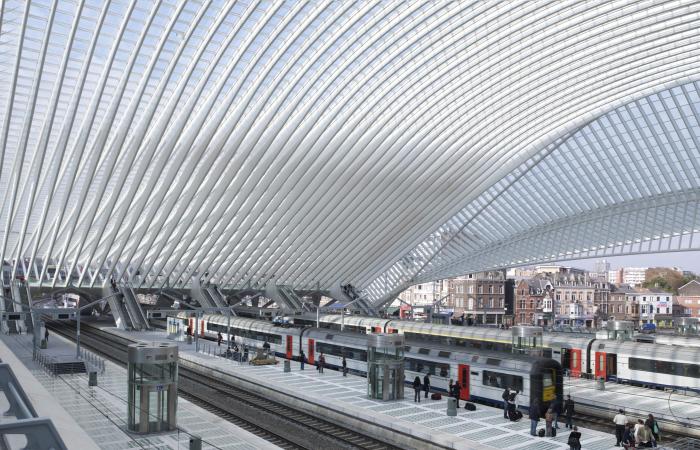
(346, 397)
(675, 411)
(99, 412)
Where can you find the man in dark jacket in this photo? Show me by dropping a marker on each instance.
(505, 396)
(535, 414)
(426, 384)
(556, 409)
(569, 411)
(455, 392)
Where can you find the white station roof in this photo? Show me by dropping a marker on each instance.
(313, 144)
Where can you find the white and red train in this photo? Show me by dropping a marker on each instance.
(676, 364)
(482, 375)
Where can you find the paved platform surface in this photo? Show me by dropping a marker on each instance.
(637, 401)
(44, 404)
(101, 411)
(485, 427)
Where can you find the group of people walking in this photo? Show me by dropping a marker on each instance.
(630, 435)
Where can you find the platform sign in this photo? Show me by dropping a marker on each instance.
(159, 387)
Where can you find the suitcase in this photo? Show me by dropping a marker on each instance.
(470, 406)
(436, 396)
(554, 432)
(541, 432)
(515, 416)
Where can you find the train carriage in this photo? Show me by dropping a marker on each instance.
(482, 375)
(651, 365)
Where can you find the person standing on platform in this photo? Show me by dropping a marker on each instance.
(450, 387)
(534, 416)
(426, 384)
(321, 363)
(569, 411)
(416, 389)
(548, 419)
(513, 405)
(620, 421)
(302, 358)
(556, 409)
(628, 438)
(642, 435)
(345, 367)
(653, 426)
(574, 439)
(219, 338)
(456, 389)
(505, 396)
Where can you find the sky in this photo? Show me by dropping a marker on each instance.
(684, 260)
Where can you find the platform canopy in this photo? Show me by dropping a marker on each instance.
(314, 144)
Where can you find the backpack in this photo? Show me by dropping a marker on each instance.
(541, 432)
(505, 395)
(435, 396)
(655, 428)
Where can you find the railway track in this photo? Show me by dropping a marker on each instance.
(279, 424)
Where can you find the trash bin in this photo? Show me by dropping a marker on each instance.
(451, 406)
(195, 443)
(92, 380)
(287, 366)
(601, 384)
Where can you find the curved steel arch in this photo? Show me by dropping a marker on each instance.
(317, 144)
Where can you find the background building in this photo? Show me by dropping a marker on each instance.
(689, 298)
(479, 297)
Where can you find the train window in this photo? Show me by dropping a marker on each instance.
(493, 361)
(444, 354)
(424, 351)
(329, 337)
(601, 347)
(502, 380)
(337, 350)
(475, 358)
(475, 374)
(665, 367)
(574, 359)
(418, 365)
(407, 348)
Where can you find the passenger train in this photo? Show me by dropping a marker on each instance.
(674, 364)
(482, 375)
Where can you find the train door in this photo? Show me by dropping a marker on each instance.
(201, 328)
(611, 366)
(599, 365)
(310, 353)
(565, 358)
(463, 380)
(575, 358)
(290, 343)
(191, 324)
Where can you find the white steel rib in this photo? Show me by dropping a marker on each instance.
(315, 144)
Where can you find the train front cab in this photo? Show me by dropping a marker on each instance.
(546, 382)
